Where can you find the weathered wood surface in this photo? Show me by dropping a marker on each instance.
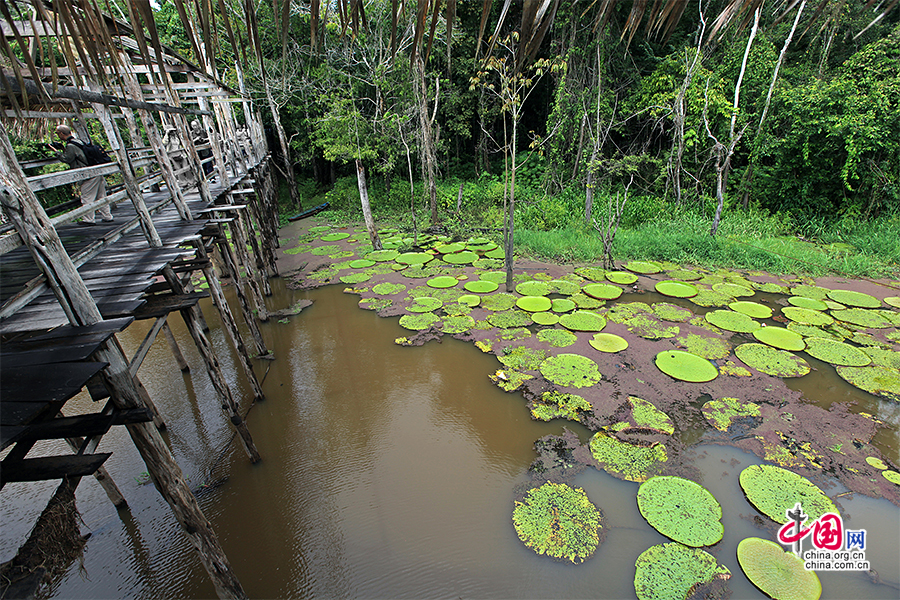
(51, 467)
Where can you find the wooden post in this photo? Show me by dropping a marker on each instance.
(37, 233)
(230, 261)
(101, 475)
(246, 224)
(176, 351)
(215, 140)
(240, 244)
(187, 142)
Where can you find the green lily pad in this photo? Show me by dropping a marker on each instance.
(382, 255)
(534, 288)
(582, 320)
(681, 510)
(458, 324)
(883, 358)
(684, 275)
(523, 358)
(556, 405)
(776, 572)
(558, 521)
(497, 277)
(319, 228)
(566, 288)
(674, 571)
(355, 278)
(879, 381)
(534, 303)
(671, 312)
(774, 491)
(685, 366)
(772, 361)
(734, 290)
(361, 263)
(642, 267)
(470, 300)
(754, 310)
(723, 412)
(813, 331)
(443, 282)
(853, 298)
(621, 277)
(810, 303)
(709, 347)
(419, 322)
(466, 257)
(375, 303)
(892, 476)
(876, 462)
(558, 338)
(781, 338)
(807, 316)
(810, 291)
(608, 342)
(450, 248)
(545, 318)
(325, 250)
(414, 258)
(562, 305)
(334, 237)
(481, 286)
(602, 291)
(496, 253)
(570, 370)
(591, 273)
(627, 461)
(507, 319)
(648, 327)
(644, 416)
(730, 320)
(424, 304)
(893, 301)
(863, 317)
(586, 302)
(498, 302)
(676, 289)
(836, 353)
(709, 297)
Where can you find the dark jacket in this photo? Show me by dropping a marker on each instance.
(73, 155)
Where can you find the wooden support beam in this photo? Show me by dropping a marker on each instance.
(84, 425)
(176, 351)
(142, 350)
(50, 467)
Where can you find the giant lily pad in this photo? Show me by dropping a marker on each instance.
(458, 324)
(723, 412)
(892, 476)
(523, 358)
(382, 255)
(671, 312)
(730, 320)
(863, 317)
(643, 267)
(558, 521)
(631, 462)
(470, 300)
(481, 286)
(602, 291)
(774, 491)
(685, 366)
(562, 305)
(836, 353)
(608, 342)
(496, 253)
(419, 322)
(498, 302)
(645, 415)
(362, 263)
(676, 289)
(853, 298)
(621, 277)
(582, 320)
(674, 571)
(754, 310)
(732, 289)
(777, 573)
(705, 346)
(650, 328)
(466, 257)
(893, 301)
(556, 405)
(534, 288)
(414, 258)
(545, 318)
(424, 304)
(586, 302)
(807, 316)
(681, 510)
(534, 303)
(507, 319)
(810, 291)
(810, 303)
(566, 288)
(355, 278)
(558, 338)
(772, 361)
(495, 276)
(443, 282)
(334, 237)
(450, 248)
(325, 250)
(779, 337)
(570, 370)
(880, 381)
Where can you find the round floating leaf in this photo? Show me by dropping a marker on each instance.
(466, 257)
(562, 305)
(684, 275)
(709, 297)
(388, 289)
(545, 318)
(534, 288)
(642, 267)
(779, 337)
(534, 303)
(621, 277)
(424, 304)
(326, 249)
(810, 291)
(362, 263)
(602, 291)
(558, 338)
(776, 572)
(627, 461)
(319, 228)
(853, 298)
(355, 278)
(414, 258)
(481, 286)
(685, 366)
(674, 571)
(708, 347)
(806, 316)
(498, 302)
(672, 312)
(836, 353)
(676, 289)
(591, 273)
(730, 320)
(566, 288)
(772, 361)
(585, 301)
(496, 253)
(892, 476)
(558, 521)
(383, 255)
(608, 342)
(507, 319)
(734, 290)
(810, 303)
(582, 320)
(723, 412)
(880, 381)
(570, 370)
(443, 282)
(419, 322)
(450, 248)
(774, 491)
(495, 276)
(470, 300)
(876, 462)
(862, 317)
(334, 237)
(752, 309)
(893, 301)
(458, 324)
(650, 328)
(681, 510)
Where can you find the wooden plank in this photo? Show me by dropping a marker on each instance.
(32, 384)
(142, 350)
(52, 180)
(46, 356)
(163, 304)
(19, 414)
(109, 326)
(84, 425)
(51, 467)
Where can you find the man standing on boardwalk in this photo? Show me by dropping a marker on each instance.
(93, 189)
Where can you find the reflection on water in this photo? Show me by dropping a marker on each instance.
(387, 472)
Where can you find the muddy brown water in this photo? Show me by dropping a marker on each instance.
(387, 471)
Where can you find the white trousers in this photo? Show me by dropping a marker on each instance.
(94, 190)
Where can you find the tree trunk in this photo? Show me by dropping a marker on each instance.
(508, 250)
(285, 148)
(429, 160)
(364, 200)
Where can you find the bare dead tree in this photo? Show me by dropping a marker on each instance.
(610, 225)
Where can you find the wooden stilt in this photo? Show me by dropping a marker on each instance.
(148, 402)
(240, 244)
(237, 279)
(176, 351)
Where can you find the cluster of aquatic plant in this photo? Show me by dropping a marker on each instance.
(776, 572)
(632, 462)
(558, 405)
(558, 521)
(686, 366)
(645, 416)
(774, 491)
(674, 570)
(772, 361)
(681, 510)
(723, 412)
(570, 370)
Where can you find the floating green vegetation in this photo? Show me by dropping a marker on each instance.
(681, 510)
(674, 571)
(506, 319)
(414, 258)
(375, 303)
(631, 462)
(495, 276)
(558, 521)
(496, 253)
(419, 322)
(322, 274)
(863, 317)
(813, 331)
(591, 273)
(534, 303)
(754, 310)
(773, 491)
(545, 318)
(810, 303)
(836, 353)
(879, 381)
(423, 304)
(650, 328)
(684, 275)
(566, 288)
(458, 323)
(892, 476)
(523, 358)
(355, 278)
(730, 320)
(582, 320)
(807, 316)
(671, 312)
(466, 257)
(723, 412)
(772, 361)
(602, 291)
(498, 302)
(810, 291)
(883, 358)
(534, 288)
(620, 313)
(334, 237)
(644, 415)
(361, 263)
(621, 277)
(557, 405)
(469, 300)
(771, 288)
(450, 248)
(510, 380)
(781, 338)
(853, 298)
(776, 572)
(296, 250)
(382, 255)
(562, 305)
(607, 342)
(481, 286)
(585, 302)
(515, 333)
(685, 366)
(388, 289)
(319, 228)
(325, 250)
(643, 267)
(442, 282)
(676, 289)
(558, 338)
(570, 370)
(893, 301)
(734, 290)
(709, 298)
(456, 309)
(876, 462)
